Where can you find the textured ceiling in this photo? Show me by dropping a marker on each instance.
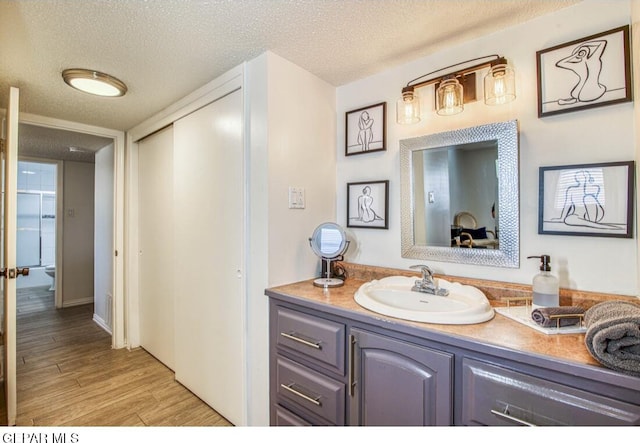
(165, 49)
(41, 142)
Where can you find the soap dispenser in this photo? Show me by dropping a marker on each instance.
(546, 288)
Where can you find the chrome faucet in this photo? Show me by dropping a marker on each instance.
(428, 284)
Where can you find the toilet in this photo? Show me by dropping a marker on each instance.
(51, 272)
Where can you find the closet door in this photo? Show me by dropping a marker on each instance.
(209, 244)
(156, 252)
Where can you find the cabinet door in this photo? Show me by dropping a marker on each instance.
(395, 383)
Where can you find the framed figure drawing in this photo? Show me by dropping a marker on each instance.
(365, 130)
(588, 200)
(368, 204)
(585, 73)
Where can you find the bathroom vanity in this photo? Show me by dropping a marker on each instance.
(335, 363)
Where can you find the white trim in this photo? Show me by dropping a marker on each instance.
(100, 322)
(10, 230)
(119, 339)
(78, 302)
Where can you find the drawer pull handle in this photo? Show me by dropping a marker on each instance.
(352, 375)
(315, 345)
(511, 418)
(291, 388)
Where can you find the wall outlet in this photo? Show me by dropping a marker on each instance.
(296, 198)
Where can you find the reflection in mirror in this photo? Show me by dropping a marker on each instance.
(459, 186)
(329, 242)
(460, 196)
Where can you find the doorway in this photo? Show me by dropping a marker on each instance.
(88, 198)
(36, 235)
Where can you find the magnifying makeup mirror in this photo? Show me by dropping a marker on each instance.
(329, 242)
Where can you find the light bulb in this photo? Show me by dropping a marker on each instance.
(408, 107)
(499, 85)
(449, 97)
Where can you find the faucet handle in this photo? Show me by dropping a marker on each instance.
(427, 273)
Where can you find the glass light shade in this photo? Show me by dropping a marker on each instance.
(94, 82)
(449, 97)
(408, 108)
(499, 85)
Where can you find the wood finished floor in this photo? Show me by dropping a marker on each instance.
(68, 375)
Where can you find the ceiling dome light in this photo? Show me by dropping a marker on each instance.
(94, 82)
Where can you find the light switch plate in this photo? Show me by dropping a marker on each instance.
(296, 198)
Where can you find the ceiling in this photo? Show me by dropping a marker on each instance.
(165, 49)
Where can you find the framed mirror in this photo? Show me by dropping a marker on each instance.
(460, 196)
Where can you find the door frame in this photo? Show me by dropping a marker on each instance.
(118, 336)
(9, 236)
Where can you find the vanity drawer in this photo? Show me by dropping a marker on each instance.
(497, 396)
(311, 390)
(321, 339)
(284, 417)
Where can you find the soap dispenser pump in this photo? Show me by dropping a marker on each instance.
(546, 288)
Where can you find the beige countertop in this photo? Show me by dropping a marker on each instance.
(500, 331)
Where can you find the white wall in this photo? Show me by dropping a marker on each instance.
(77, 247)
(589, 136)
(301, 112)
(103, 237)
(256, 131)
(635, 43)
(291, 130)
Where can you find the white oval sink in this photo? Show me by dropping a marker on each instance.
(393, 296)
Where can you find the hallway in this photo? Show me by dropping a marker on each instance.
(68, 375)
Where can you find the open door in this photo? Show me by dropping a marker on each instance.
(8, 265)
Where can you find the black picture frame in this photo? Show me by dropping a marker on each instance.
(366, 130)
(586, 73)
(368, 204)
(593, 200)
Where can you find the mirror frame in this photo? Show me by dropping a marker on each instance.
(317, 247)
(508, 254)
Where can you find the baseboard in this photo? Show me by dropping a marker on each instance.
(100, 322)
(78, 302)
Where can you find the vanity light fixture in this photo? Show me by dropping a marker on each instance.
(459, 87)
(94, 82)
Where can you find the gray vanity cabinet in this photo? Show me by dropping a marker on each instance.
(326, 372)
(395, 383)
(334, 367)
